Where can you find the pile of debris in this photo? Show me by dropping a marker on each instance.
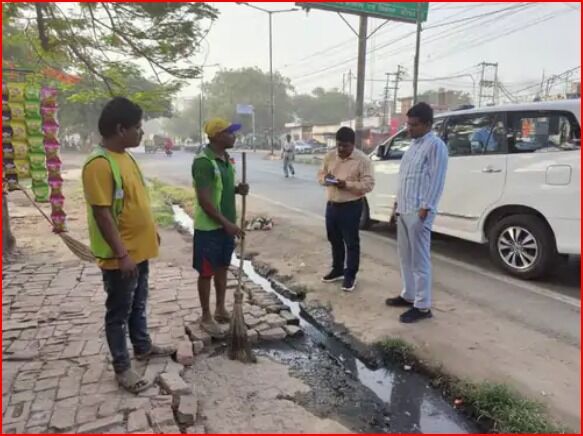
(259, 223)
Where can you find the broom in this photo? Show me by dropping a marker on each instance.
(239, 347)
(79, 249)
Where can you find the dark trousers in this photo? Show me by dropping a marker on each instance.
(126, 308)
(342, 222)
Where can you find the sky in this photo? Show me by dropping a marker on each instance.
(316, 49)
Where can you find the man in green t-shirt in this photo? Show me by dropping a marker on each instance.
(215, 219)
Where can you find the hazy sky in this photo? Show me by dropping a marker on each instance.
(316, 49)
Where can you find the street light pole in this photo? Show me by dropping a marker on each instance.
(271, 82)
(272, 85)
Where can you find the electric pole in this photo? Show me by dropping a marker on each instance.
(360, 77)
(396, 87)
(488, 84)
(417, 50)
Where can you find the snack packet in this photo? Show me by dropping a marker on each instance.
(16, 92)
(18, 130)
(34, 127)
(17, 112)
(20, 150)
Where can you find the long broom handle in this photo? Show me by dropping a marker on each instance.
(243, 213)
(43, 213)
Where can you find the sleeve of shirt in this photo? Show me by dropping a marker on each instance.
(98, 183)
(437, 167)
(203, 173)
(365, 184)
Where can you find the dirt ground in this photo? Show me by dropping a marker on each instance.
(463, 339)
(234, 397)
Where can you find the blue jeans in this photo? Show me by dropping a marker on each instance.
(288, 166)
(126, 307)
(414, 244)
(342, 226)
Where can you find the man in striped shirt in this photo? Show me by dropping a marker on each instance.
(421, 179)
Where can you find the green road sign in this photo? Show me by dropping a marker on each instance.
(397, 11)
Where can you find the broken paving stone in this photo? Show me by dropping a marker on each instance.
(62, 419)
(161, 416)
(274, 320)
(21, 356)
(197, 429)
(169, 429)
(187, 410)
(184, 353)
(195, 333)
(252, 336)
(137, 421)
(289, 317)
(173, 384)
(262, 327)
(197, 346)
(276, 308)
(251, 321)
(293, 330)
(101, 425)
(275, 334)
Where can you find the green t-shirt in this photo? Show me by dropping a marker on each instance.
(203, 174)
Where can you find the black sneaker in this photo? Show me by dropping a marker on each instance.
(349, 284)
(414, 315)
(397, 302)
(333, 276)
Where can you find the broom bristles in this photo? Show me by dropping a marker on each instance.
(79, 249)
(239, 347)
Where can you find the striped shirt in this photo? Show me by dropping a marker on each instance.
(422, 174)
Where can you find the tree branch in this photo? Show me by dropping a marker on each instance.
(40, 24)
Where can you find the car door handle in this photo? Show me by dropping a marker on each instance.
(490, 170)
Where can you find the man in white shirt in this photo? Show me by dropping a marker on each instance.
(288, 153)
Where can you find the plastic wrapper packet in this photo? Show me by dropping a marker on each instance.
(7, 150)
(20, 150)
(9, 166)
(6, 116)
(49, 114)
(18, 130)
(17, 112)
(32, 94)
(12, 181)
(57, 202)
(22, 169)
(36, 144)
(51, 131)
(56, 186)
(52, 147)
(48, 96)
(59, 221)
(32, 109)
(54, 166)
(16, 92)
(37, 161)
(34, 126)
(6, 133)
(40, 191)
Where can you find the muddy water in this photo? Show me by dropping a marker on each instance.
(343, 388)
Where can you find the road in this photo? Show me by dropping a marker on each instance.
(551, 306)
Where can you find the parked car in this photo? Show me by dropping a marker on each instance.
(303, 148)
(513, 182)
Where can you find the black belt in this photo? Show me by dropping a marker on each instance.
(346, 203)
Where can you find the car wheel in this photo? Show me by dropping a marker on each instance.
(365, 221)
(523, 245)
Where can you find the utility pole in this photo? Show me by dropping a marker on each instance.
(271, 82)
(350, 96)
(360, 77)
(396, 87)
(386, 101)
(488, 81)
(417, 50)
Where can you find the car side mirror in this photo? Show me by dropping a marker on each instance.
(381, 150)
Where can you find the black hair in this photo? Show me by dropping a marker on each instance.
(288, 136)
(119, 111)
(346, 134)
(422, 111)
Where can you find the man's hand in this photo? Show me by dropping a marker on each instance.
(243, 189)
(128, 267)
(423, 214)
(233, 230)
(341, 184)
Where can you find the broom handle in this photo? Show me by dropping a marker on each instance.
(36, 205)
(243, 213)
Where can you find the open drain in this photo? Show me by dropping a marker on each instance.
(343, 387)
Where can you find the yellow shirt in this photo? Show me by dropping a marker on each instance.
(136, 224)
(356, 170)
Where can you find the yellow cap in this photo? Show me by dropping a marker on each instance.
(215, 126)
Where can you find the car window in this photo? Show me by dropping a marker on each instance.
(532, 132)
(472, 135)
(399, 146)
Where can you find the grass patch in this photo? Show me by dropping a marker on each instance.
(496, 407)
(163, 196)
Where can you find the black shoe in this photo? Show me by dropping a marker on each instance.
(397, 302)
(414, 315)
(349, 284)
(333, 276)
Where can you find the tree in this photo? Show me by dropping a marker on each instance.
(249, 86)
(103, 45)
(322, 107)
(185, 123)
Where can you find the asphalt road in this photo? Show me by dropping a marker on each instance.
(551, 305)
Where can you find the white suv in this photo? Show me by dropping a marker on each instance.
(513, 181)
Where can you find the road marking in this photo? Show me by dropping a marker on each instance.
(535, 289)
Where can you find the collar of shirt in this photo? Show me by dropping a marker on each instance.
(210, 153)
(424, 137)
(349, 157)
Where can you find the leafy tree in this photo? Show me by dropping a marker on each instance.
(322, 107)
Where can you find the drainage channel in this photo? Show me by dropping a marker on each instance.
(343, 387)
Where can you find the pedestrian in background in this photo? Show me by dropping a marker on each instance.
(123, 237)
(421, 180)
(288, 154)
(348, 177)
